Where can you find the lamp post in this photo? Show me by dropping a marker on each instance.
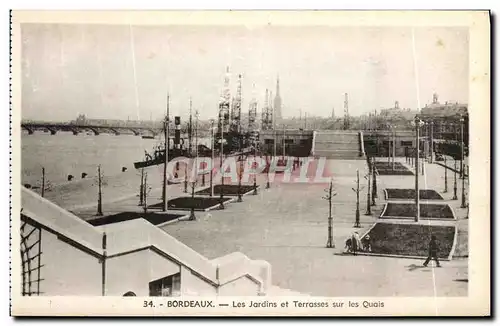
(445, 175)
(393, 146)
(240, 175)
(368, 178)
(357, 190)
(417, 123)
(432, 141)
(212, 142)
(462, 170)
(455, 180)
(462, 147)
(221, 159)
(254, 162)
(374, 186)
(167, 145)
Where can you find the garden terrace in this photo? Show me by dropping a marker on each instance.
(198, 203)
(426, 194)
(410, 240)
(229, 190)
(152, 217)
(385, 168)
(427, 211)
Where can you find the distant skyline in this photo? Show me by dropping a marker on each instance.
(120, 72)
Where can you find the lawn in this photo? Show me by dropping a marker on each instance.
(385, 168)
(198, 203)
(428, 194)
(427, 211)
(410, 239)
(230, 190)
(152, 217)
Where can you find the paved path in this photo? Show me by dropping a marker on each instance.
(287, 226)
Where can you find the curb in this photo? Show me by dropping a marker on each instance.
(172, 221)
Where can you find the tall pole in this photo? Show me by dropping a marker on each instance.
(389, 150)
(284, 143)
(356, 224)
(221, 159)
(141, 188)
(445, 175)
(461, 147)
(145, 196)
(255, 160)
(166, 146)
(240, 175)
(43, 181)
(274, 143)
(455, 180)
(393, 148)
(417, 190)
(432, 142)
(99, 194)
(190, 126)
(374, 186)
(368, 204)
(212, 142)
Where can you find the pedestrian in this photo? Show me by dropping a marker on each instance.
(367, 246)
(433, 248)
(356, 243)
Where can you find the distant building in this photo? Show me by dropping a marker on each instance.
(448, 109)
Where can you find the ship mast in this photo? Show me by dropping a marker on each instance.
(236, 114)
(167, 145)
(252, 118)
(224, 105)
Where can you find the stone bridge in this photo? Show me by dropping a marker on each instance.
(53, 128)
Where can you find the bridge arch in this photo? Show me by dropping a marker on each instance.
(31, 131)
(94, 130)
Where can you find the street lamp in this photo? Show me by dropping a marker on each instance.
(462, 172)
(368, 178)
(254, 162)
(432, 141)
(221, 159)
(212, 143)
(417, 123)
(240, 175)
(445, 175)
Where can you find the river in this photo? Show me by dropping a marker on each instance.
(64, 154)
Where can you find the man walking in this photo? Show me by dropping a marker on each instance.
(433, 248)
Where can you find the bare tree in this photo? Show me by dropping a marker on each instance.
(330, 194)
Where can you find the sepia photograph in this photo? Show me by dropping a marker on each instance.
(173, 154)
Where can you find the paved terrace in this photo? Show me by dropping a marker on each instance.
(287, 226)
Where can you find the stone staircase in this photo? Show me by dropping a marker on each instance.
(346, 145)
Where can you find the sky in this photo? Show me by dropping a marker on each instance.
(124, 72)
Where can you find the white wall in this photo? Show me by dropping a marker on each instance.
(68, 270)
(193, 285)
(134, 271)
